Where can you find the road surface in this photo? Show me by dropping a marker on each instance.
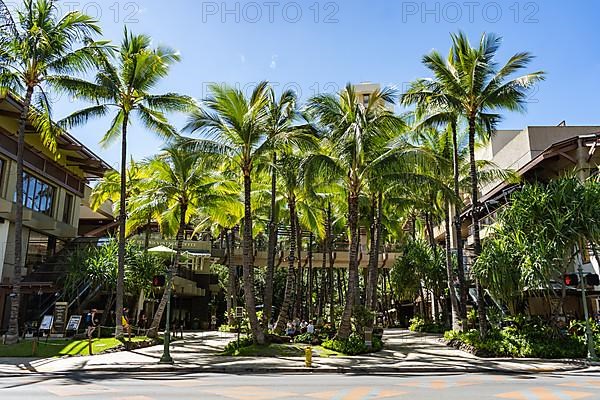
(132, 386)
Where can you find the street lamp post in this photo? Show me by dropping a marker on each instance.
(166, 356)
(588, 330)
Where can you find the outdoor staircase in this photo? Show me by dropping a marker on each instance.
(50, 277)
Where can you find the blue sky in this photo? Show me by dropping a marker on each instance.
(293, 45)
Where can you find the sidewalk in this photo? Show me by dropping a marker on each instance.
(199, 352)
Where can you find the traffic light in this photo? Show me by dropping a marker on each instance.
(592, 280)
(158, 281)
(571, 279)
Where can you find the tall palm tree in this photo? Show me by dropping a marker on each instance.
(37, 53)
(234, 126)
(124, 84)
(471, 82)
(178, 186)
(280, 120)
(356, 136)
(432, 110)
(302, 213)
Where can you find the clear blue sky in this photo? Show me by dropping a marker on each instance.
(354, 41)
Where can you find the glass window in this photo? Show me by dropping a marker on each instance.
(37, 195)
(366, 99)
(68, 209)
(1, 175)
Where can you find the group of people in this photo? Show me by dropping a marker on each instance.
(92, 321)
(297, 327)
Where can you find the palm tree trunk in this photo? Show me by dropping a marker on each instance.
(122, 226)
(248, 262)
(329, 250)
(147, 233)
(15, 304)
(289, 282)
(299, 282)
(345, 325)
(373, 276)
(450, 273)
(458, 228)
(310, 277)
(231, 279)
(153, 331)
(268, 301)
(475, 222)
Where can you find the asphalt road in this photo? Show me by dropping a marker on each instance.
(117, 386)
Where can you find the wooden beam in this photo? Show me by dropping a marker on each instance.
(70, 147)
(11, 114)
(84, 161)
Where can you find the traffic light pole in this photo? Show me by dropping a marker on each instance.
(588, 329)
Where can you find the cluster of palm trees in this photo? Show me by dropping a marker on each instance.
(334, 165)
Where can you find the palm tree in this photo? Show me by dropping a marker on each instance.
(470, 82)
(124, 84)
(356, 136)
(432, 110)
(39, 50)
(281, 115)
(302, 213)
(178, 186)
(235, 127)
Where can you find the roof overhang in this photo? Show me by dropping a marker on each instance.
(75, 152)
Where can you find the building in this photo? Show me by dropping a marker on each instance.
(55, 189)
(536, 154)
(365, 90)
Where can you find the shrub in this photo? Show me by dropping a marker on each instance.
(232, 347)
(307, 338)
(523, 337)
(354, 345)
(417, 324)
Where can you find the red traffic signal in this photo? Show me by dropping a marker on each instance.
(571, 279)
(158, 281)
(592, 280)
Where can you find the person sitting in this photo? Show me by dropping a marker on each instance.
(310, 328)
(290, 330)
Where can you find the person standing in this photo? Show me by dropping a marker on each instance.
(92, 322)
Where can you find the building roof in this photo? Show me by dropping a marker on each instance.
(76, 153)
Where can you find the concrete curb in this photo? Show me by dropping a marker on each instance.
(234, 370)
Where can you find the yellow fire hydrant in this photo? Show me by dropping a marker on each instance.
(308, 357)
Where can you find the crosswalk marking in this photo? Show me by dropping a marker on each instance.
(541, 393)
(358, 393)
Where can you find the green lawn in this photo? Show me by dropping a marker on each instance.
(281, 350)
(56, 348)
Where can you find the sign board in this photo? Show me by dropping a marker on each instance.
(239, 312)
(60, 316)
(187, 245)
(74, 323)
(46, 324)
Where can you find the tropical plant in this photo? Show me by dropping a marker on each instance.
(124, 83)
(40, 49)
(538, 236)
(234, 127)
(280, 121)
(356, 137)
(470, 82)
(178, 185)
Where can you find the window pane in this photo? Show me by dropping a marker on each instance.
(37, 195)
(30, 193)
